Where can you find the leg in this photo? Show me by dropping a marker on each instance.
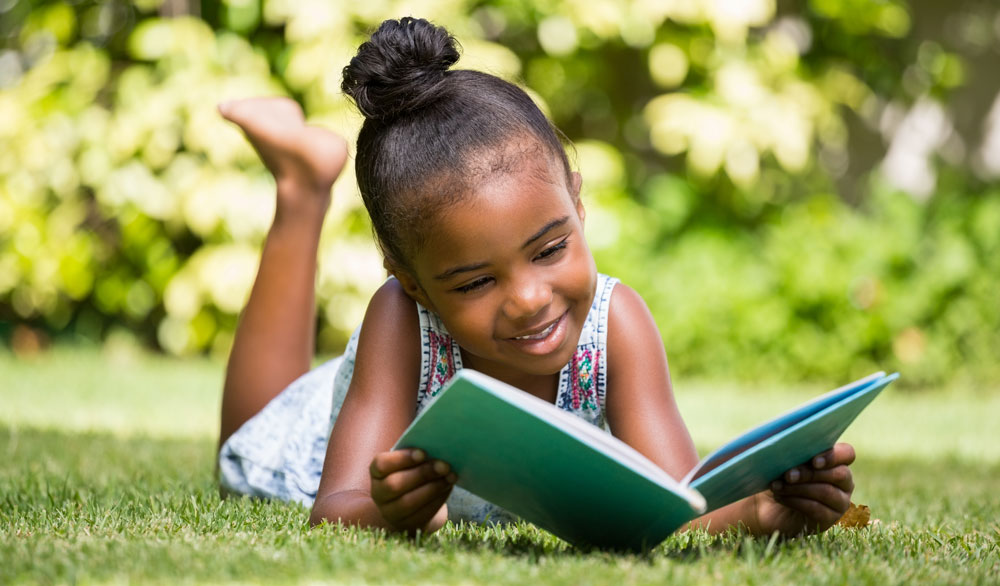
(274, 340)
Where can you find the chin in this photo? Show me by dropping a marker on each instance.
(554, 363)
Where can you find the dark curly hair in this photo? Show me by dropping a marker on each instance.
(428, 128)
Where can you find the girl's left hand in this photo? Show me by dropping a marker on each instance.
(811, 497)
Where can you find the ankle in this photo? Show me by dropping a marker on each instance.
(304, 213)
(294, 198)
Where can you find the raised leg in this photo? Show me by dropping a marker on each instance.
(275, 337)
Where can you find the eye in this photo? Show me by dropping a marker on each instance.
(553, 250)
(474, 286)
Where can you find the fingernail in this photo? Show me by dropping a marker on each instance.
(418, 455)
(819, 462)
(793, 475)
(441, 467)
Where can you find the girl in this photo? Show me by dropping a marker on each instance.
(480, 222)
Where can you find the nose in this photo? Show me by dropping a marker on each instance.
(527, 297)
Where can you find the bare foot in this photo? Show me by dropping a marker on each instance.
(305, 160)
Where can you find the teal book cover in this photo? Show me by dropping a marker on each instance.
(749, 463)
(580, 483)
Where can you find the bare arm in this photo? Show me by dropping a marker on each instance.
(642, 410)
(643, 413)
(363, 481)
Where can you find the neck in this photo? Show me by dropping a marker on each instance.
(543, 386)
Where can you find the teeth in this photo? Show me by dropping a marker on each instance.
(539, 335)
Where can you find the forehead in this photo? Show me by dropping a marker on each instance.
(497, 215)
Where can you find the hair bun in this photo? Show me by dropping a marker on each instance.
(400, 68)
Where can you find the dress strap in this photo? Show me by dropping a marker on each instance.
(440, 357)
(583, 382)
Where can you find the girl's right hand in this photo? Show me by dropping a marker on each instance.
(410, 490)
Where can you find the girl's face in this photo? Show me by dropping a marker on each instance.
(509, 273)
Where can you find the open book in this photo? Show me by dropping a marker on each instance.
(579, 482)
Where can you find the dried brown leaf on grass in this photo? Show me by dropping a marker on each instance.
(857, 516)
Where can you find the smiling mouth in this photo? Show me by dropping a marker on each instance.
(545, 341)
(540, 335)
(544, 333)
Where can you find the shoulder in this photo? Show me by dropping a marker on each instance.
(632, 331)
(627, 310)
(391, 297)
(390, 335)
(392, 313)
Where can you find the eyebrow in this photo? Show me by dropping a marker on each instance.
(462, 269)
(553, 224)
(478, 265)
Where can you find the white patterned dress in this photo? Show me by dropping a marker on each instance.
(278, 453)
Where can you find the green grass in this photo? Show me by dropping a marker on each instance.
(106, 476)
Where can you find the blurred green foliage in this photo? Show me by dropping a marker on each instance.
(726, 149)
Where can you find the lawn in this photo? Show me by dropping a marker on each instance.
(107, 463)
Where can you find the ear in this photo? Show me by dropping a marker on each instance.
(412, 287)
(575, 182)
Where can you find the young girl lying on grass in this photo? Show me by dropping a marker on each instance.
(480, 221)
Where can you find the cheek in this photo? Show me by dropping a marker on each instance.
(583, 274)
(472, 320)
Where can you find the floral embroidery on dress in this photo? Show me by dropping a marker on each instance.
(584, 374)
(442, 362)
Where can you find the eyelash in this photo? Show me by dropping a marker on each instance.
(553, 249)
(483, 281)
(478, 283)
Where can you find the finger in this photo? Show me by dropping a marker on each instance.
(819, 515)
(422, 516)
(400, 482)
(386, 463)
(840, 476)
(843, 455)
(411, 503)
(827, 495)
(840, 454)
